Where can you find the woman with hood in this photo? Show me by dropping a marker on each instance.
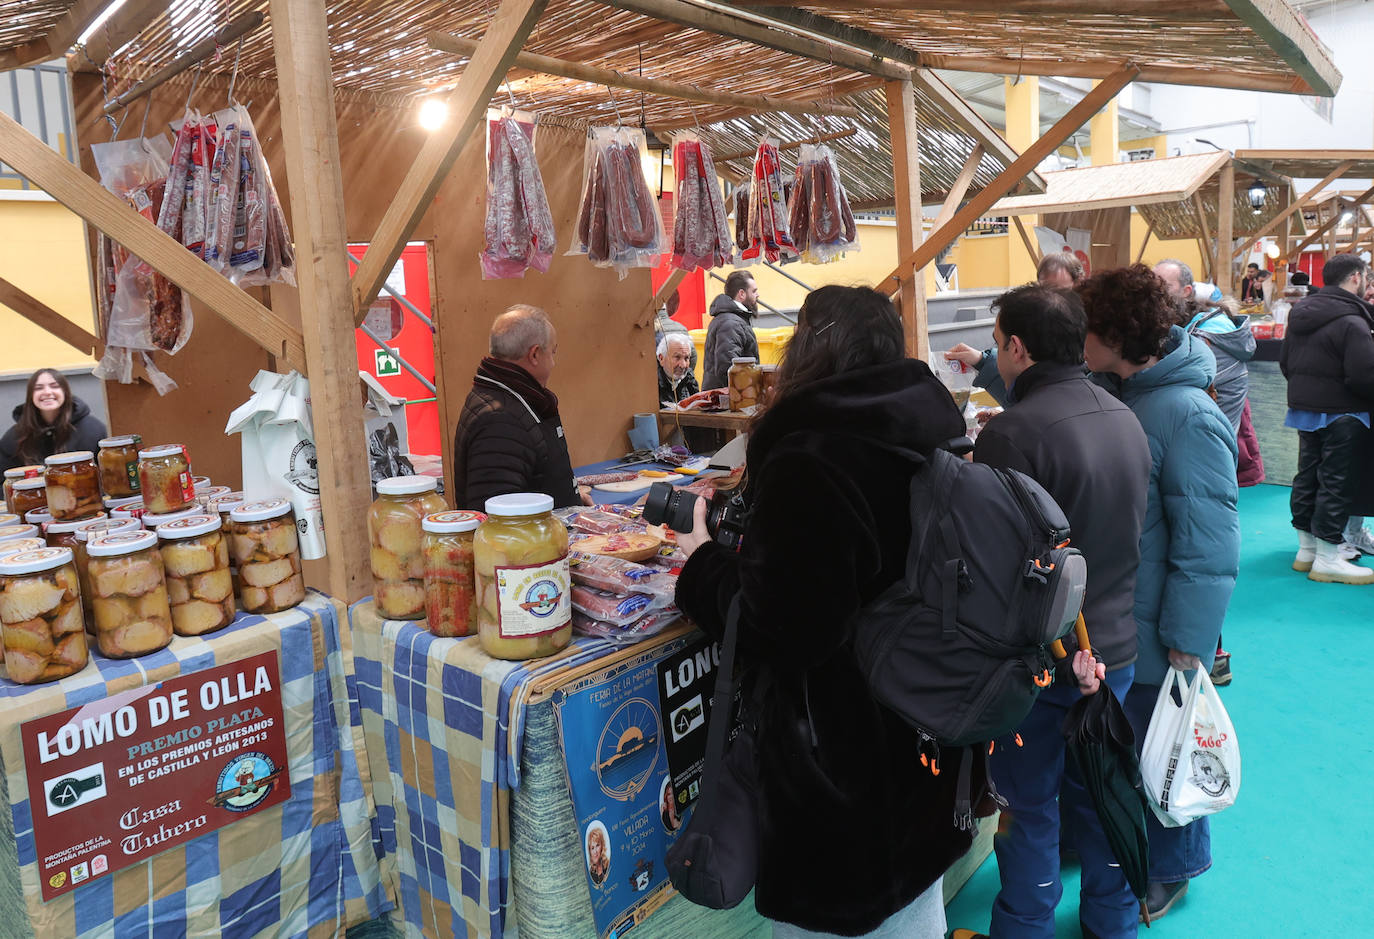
(855, 834)
(51, 420)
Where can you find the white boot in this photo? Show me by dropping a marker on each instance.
(1307, 552)
(1330, 567)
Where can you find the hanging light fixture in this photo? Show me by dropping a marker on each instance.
(1257, 193)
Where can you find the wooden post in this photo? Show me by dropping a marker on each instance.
(1205, 241)
(1226, 217)
(1026, 240)
(1149, 230)
(1285, 272)
(906, 179)
(1104, 134)
(40, 314)
(310, 135)
(960, 188)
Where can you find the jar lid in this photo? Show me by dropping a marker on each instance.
(13, 532)
(38, 516)
(29, 482)
(20, 546)
(117, 544)
(32, 562)
(407, 485)
(152, 520)
(520, 503)
(226, 502)
(125, 441)
(744, 360)
(103, 526)
(201, 482)
(9, 519)
(23, 472)
(123, 502)
(188, 527)
(452, 522)
(72, 456)
(166, 449)
(211, 492)
(261, 511)
(66, 528)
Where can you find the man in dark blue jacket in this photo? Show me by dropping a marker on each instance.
(1088, 450)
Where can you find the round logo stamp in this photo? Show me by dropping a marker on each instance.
(245, 781)
(541, 599)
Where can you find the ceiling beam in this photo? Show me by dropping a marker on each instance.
(40, 314)
(56, 41)
(1288, 35)
(119, 30)
(1163, 74)
(1173, 9)
(973, 124)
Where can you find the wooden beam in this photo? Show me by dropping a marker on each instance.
(236, 29)
(45, 168)
(1281, 30)
(467, 106)
(661, 296)
(1149, 230)
(300, 39)
(1326, 226)
(1226, 220)
(1027, 161)
(56, 41)
(1283, 217)
(40, 314)
(1209, 255)
(973, 124)
(1206, 258)
(1174, 9)
(960, 188)
(790, 145)
(457, 45)
(1162, 74)
(1026, 239)
(118, 31)
(906, 179)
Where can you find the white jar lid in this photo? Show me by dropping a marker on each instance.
(13, 532)
(520, 503)
(29, 483)
(201, 482)
(118, 544)
(452, 522)
(123, 502)
(23, 472)
(9, 519)
(32, 562)
(126, 440)
(166, 449)
(19, 547)
(66, 528)
(38, 516)
(226, 502)
(260, 511)
(211, 492)
(188, 527)
(744, 360)
(72, 456)
(407, 485)
(152, 520)
(105, 526)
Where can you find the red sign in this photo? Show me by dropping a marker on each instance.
(114, 782)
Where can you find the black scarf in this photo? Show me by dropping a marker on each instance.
(542, 400)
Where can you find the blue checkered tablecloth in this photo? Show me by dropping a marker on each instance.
(307, 867)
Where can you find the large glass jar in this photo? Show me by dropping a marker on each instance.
(450, 588)
(129, 594)
(524, 591)
(84, 532)
(394, 526)
(118, 461)
(63, 534)
(263, 543)
(73, 485)
(26, 495)
(195, 555)
(40, 616)
(17, 473)
(164, 477)
(15, 532)
(745, 380)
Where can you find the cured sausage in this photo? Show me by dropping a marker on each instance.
(519, 225)
(701, 237)
(818, 210)
(618, 223)
(769, 238)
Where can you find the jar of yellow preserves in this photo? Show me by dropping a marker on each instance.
(395, 528)
(129, 594)
(40, 616)
(84, 532)
(524, 588)
(195, 557)
(12, 476)
(164, 478)
(118, 461)
(263, 543)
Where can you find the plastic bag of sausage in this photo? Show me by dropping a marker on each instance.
(701, 234)
(518, 232)
(818, 212)
(618, 222)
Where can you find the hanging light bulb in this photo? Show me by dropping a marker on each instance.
(1271, 250)
(433, 113)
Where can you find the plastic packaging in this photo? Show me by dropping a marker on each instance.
(650, 624)
(118, 462)
(195, 556)
(745, 381)
(701, 234)
(164, 475)
(40, 616)
(520, 555)
(622, 577)
(618, 222)
(14, 475)
(819, 217)
(262, 541)
(129, 594)
(598, 522)
(26, 495)
(395, 529)
(768, 235)
(519, 226)
(450, 584)
(73, 485)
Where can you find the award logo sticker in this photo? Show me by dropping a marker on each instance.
(74, 788)
(245, 781)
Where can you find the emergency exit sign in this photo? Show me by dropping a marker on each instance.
(387, 362)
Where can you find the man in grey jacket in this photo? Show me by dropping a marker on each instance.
(731, 333)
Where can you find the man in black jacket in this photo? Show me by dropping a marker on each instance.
(510, 436)
(1089, 451)
(1328, 359)
(731, 333)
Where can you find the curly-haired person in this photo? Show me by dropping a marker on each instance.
(1190, 542)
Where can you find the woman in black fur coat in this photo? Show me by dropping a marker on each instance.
(855, 833)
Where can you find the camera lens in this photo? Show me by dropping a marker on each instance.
(667, 505)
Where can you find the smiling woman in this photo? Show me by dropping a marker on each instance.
(50, 420)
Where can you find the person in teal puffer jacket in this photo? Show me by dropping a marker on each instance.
(1190, 542)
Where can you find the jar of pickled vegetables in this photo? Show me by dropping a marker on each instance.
(73, 485)
(15, 532)
(524, 590)
(40, 616)
(745, 379)
(28, 494)
(450, 590)
(195, 556)
(83, 533)
(17, 473)
(128, 593)
(118, 462)
(263, 543)
(394, 526)
(131, 507)
(164, 478)
(63, 534)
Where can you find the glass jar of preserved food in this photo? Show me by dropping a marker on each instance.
(18, 547)
(152, 520)
(63, 534)
(40, 616)
(164, 478)
(40, 518)
(203, 496)
(128, 594)
(524, 591)
(745, 378)
(84, 532)
(394, 526)
(195, 556)
(17, 473)
(223, 505)
(15, 532)
(73, 485)
(28, 494)
(118, 462)
(768, 378)
(450, 589)
(262, 542)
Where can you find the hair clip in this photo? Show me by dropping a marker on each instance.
(825, 327)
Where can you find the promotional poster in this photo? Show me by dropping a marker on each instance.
(116, 781)
(686, 684)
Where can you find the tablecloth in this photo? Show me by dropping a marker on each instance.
(307, 867)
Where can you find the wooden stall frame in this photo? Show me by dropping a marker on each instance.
(906, 176)
(40, 314)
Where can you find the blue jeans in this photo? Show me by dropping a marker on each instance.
(1038, 785)
(1175, 853)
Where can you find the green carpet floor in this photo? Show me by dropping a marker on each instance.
(1291, 858)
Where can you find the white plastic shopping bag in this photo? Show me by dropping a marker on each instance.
(1190, 763)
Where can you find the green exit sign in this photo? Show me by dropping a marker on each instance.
(387, 362)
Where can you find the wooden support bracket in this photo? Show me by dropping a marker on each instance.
(1208, 255)
(1330, 223)
(661, 296)
(1026, 240)
(40, 314)
(1273, 224)
(960, 188)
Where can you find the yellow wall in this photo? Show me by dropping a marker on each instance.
(43, 253)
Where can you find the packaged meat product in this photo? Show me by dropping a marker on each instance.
(650, 624)
(198, 195)
(118, 463)
(618, 223)
(224, 190)
(621, 577)
(202, 598)
(164, 474)
(82, 535)
(596, 522)
(28, 494)
(40, 616)
(263, 543)
(701, 235)
(128, 594)
(14, 475)
(395, 527)
(739, 199)
(819, 217)
(520, 557)
(607, 607)
(769, 238)
(73, 485)
(519, 226)
(596, 479)
(450, 582)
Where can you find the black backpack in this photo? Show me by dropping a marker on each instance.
(959, 646)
